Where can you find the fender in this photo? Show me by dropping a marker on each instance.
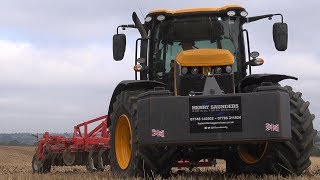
(131, 84)
(259, 78)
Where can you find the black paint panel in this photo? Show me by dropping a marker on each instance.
(170, 114)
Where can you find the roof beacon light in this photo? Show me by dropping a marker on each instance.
(231, 13)
(161, 17)
(148, 19)
(244, 13)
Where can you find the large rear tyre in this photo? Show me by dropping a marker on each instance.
(289, 157)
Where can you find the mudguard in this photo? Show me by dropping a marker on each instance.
(131, 84)
(259, 78)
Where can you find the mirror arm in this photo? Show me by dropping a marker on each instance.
(256, 18)
(124, 26)
(136, 56)
(248, 48)
(279, 15)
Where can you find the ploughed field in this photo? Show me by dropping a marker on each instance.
(15, 163)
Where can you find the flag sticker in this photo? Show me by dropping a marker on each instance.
(157, 133)
(272, 127)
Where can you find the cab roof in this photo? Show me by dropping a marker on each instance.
(197, 10)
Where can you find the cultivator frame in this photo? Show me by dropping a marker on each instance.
(87, 148)
(84, 148)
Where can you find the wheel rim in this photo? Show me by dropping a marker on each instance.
(123, 141)
(252, 153)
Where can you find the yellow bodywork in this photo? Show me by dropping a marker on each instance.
(250, 158)
(205, 57)
(196, 10)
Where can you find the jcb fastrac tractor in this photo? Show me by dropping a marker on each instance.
(195, 100)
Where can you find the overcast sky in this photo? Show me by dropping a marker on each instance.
(57, 70)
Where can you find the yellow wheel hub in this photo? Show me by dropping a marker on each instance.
(123, 141)
(253, 153)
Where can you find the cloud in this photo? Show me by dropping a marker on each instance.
(305, 67)
(30, 65)
(78, 21)
(55, 88)
(56, 65)
(70, 22)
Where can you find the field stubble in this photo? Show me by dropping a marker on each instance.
(15, 163)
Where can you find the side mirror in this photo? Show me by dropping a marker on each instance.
(119, 46)
(280, 36)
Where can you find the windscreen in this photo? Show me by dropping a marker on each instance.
(173, 36)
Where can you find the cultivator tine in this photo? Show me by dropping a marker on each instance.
(90, 165)
(100, 164)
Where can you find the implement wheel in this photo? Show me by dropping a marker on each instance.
(39, 166)
(285, 158)
(68, 157)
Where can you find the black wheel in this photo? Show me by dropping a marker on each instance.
(290, 157)
(69, 157)
(35, 164)
(39, 166)
(124, 146)
(127, 158)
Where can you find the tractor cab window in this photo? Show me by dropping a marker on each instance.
(176, 35)
(172, 50)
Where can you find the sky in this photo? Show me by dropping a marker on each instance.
(57, 70)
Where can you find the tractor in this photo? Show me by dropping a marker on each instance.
(194, 98)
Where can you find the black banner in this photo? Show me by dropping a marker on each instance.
(216, 114)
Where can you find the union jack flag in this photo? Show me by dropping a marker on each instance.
(157, 133)
(272, 127)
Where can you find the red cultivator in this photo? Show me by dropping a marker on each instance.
(87, 148)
